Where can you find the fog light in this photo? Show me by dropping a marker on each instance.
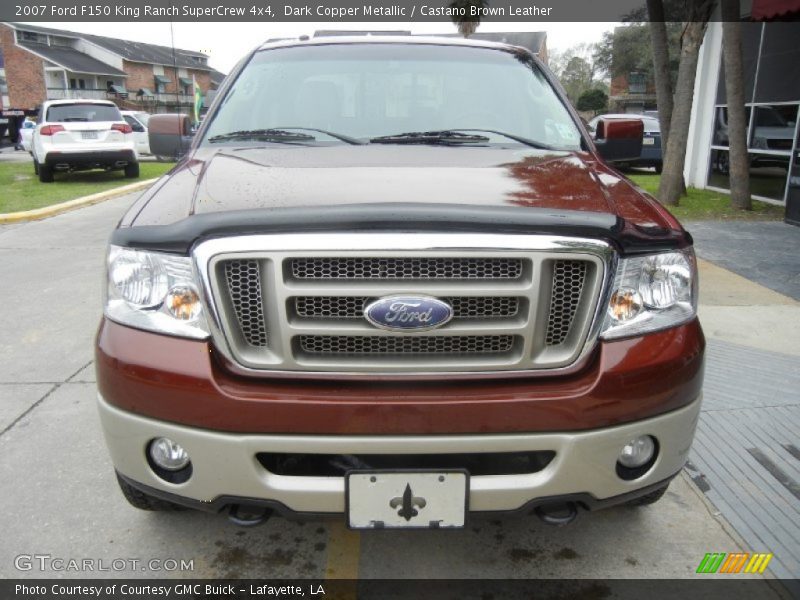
(168, 454)
(638, 452)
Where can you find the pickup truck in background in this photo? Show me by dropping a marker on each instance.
(394, 279)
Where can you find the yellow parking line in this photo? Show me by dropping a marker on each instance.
(344, 551)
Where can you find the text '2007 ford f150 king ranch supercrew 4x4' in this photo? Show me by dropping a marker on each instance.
(394, 280)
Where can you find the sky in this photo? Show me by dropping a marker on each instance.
(226, 43)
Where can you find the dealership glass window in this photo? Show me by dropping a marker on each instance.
(771, 70)
(772, 131)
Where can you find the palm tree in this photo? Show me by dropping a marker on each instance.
(671, 185)
(466, 24)
(739, 170)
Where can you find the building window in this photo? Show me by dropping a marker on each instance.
(77, 84)
(637, 83)
(161, 82)
(772, 130)
(30, 36)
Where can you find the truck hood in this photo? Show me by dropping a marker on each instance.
(277, 179)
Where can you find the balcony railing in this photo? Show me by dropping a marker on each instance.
(102, 94)
(75, 94)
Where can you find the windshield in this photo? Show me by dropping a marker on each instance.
(83, 112)
(367, 91)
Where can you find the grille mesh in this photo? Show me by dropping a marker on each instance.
(389, 345)
(352, 307)
(569, 277)
(406, 268)
(244, 286)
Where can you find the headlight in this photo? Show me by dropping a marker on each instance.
(154, 291)
(651, 293)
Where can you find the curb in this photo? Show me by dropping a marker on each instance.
(57, 209)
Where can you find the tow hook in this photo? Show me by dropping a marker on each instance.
(239, 516)
(557, 514)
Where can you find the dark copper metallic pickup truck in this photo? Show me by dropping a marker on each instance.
(394, 280)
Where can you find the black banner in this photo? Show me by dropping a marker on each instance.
(335, 11)
(729, 588)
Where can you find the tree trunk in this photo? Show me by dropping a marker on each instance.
(739, 163)
(658, 37)
(671, 185)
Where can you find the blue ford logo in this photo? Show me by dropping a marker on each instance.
(408, 313)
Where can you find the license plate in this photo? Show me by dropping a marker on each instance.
(406, 499)
(89, 135)
(649, 141)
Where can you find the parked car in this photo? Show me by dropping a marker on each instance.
(394, 280)
(138, 122)
(26, 135)
(76, 135)
(771, 132)
(651, 155)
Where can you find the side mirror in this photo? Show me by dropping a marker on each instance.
(619, 140)
(169, 135)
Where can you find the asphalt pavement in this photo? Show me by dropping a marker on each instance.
(60, 497)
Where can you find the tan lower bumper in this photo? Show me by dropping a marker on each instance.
(225, 464)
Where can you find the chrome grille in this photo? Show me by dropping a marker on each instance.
(284, 304)
(352, 307)
(406, 268)
(244, 286)
(388, 345)
(569, 277)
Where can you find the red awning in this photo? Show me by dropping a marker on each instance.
(771, 9)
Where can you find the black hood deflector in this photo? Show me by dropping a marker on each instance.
(181, 236)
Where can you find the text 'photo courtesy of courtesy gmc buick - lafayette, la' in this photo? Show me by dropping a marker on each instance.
(393, 281)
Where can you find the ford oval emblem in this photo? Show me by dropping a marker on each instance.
(408, 313)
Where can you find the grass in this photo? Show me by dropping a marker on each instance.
(707, 205)
(20, 189)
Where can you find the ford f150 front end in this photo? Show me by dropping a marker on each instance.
(401, 287)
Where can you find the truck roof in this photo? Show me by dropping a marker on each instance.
(390, 39)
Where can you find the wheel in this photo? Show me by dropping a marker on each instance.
(650, 498)
(45, 173)
(659, 167)
(35, 167)
(142, 501)
(132, 170)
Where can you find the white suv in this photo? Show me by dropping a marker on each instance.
(76, 135)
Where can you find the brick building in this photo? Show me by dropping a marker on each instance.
(38, 63)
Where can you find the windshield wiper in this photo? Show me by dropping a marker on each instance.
(516, 138)
(447, 136)
(338, 136)
(274, 135)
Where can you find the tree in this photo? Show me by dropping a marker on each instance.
(662, 77)
(576, 70)
(576, 78)
(671, 184)
(739, 172)
(467, 25)
(594, 100)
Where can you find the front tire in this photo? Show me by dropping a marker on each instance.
(132, 170)
(650, 498)
(45, 173)
(138, 499)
